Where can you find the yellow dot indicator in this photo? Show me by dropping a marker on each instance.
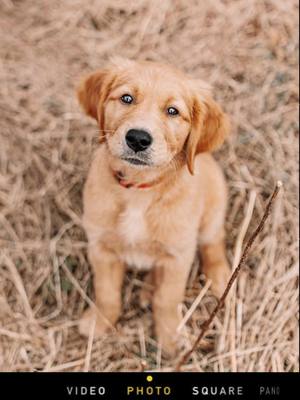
(149, 378)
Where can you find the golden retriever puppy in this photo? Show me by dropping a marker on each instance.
(154, 194)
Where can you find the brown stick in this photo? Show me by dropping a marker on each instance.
(221, 302)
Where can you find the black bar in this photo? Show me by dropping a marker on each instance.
(172, 386)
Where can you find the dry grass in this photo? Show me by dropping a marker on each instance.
(248, 51)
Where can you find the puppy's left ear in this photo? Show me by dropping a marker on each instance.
(210, 127)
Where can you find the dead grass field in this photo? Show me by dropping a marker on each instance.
(248, 51)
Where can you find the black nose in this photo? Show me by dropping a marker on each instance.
(138, 140)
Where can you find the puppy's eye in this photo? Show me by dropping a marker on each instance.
(126, 99)
(172, 111)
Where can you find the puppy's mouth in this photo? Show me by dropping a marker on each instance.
(135, 161)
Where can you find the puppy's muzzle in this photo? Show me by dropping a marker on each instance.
(138, 140)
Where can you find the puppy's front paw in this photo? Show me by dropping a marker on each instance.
(167, 335)
(91, 317)
(219, 275)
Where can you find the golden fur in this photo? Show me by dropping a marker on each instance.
(173, 205)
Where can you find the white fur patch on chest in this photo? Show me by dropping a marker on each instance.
(137, 259)
(132, 225)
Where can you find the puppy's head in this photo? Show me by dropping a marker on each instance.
(148, 113)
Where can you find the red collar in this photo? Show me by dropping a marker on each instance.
(126, 184)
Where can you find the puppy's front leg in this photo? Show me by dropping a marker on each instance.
(108, 277)
(215, 265)
(170, 279)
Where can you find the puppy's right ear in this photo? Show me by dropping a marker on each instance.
(210, 128)
(92, 92)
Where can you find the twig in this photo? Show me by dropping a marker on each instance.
(20, 287)
(221, 302)
(87, 361)
(193, 307)
(143, 365)
(236, 258)
(71, 364)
